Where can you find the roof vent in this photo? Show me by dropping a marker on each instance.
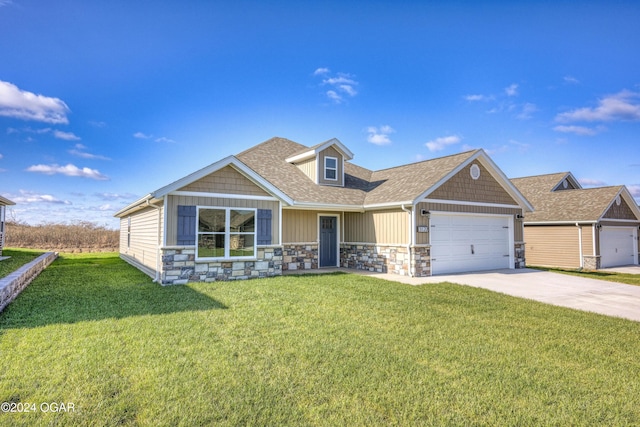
(618, 201)
(475, 171)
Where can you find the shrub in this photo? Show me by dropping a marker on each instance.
(81, 236)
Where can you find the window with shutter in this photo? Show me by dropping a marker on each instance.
(186, 225)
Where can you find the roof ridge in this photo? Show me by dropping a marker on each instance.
(541, 175)
(427, 160)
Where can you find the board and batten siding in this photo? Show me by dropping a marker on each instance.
(389, 226)
(330, 152)
(553, 246)
(423, 238)
(144, 240)
(299, 226)
(309, 167)
(174, 201)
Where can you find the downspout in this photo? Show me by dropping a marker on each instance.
(158, 256)
(411, 240)
(580, 245)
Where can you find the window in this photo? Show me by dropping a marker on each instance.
(226, 233)
(331, 168)
(128, 232)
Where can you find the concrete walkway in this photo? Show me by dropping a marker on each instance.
(598, 296)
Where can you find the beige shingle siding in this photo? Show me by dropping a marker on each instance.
(226, 180)
(554, 246)
(462, 186)
(174, 201)
(144, 237)
(389, 226)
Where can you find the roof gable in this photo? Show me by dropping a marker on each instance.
(310, 152)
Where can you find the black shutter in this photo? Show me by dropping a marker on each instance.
(186, 225)
(264, 227)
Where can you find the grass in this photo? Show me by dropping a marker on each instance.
(19, 257)
(629, 279)
(335, 349)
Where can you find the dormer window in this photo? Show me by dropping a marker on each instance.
(331, 168)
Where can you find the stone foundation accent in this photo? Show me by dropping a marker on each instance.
(519, 252)
(14, 283)
(590, 262)
(382, 259)
(421, 261)
(300, 256)
(180, 267)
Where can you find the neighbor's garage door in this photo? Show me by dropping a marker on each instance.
(462, 243)
(617, 246)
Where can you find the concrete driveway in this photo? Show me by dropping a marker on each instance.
(598, 296)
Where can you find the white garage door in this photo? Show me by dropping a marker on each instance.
(461, 243)
(617, 246)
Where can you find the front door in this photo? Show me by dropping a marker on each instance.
(328, 241)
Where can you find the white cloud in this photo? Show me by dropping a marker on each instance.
(439, 144)
(477, 97)
(79, 151)
(571, 80)
(115, 196)
(527, 111)
(634, 190)
(141, 135)
(68, 136)
(622, 106)
(578, 130)
(33, 197)
(1, 156)
(164, 139)
(20, 104)
(379, 136)
(511, 90)
(342, 85)
(68, 170)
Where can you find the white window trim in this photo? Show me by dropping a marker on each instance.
(326, 168)
(227, 234)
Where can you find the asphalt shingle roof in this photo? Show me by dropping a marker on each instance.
(362, 186)
(588, 204)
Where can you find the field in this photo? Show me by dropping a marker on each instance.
(82, 236)
(336, 349)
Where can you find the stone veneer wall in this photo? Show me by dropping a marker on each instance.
(180, 267)
(14, 283)
(590, 262)
(300, 256)
(520, 259)
(379, 258)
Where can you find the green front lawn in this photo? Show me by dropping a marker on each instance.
(19, 257)
(629, 279)
(336, 349)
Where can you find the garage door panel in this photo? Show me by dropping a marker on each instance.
(469, 243)
(617, 246)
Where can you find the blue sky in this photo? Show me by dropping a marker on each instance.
(103, 102)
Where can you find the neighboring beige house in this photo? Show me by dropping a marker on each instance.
(579, 228)
(3, 207)
(284, 206)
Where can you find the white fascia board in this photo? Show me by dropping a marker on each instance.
(325, 207)
(5, 201)
(314, 152)
(558, 222)
(626, 195)
(138, 204)
(214, 167)
(495, 172)
(462, 202)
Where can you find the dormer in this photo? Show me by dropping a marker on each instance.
(568, 182)
(323, 163)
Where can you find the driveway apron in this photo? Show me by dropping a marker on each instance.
(598, 296)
